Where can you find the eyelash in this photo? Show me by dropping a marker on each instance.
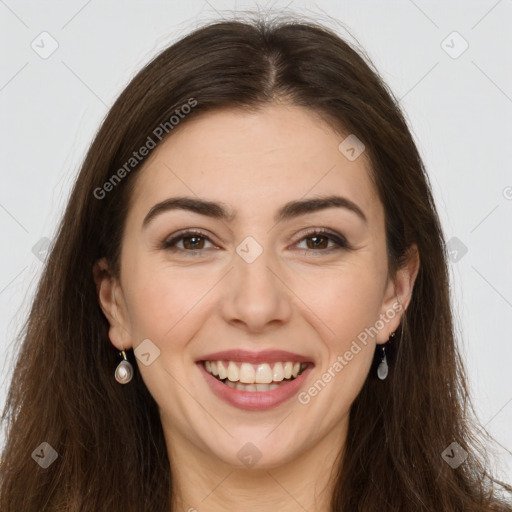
(339, 240)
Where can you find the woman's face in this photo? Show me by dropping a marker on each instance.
(261, 280)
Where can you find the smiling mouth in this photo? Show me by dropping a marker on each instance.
(256, 378)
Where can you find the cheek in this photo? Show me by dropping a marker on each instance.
(355, 305)
(346, 299)
(165, 307)
(163, 303)
(346, 305)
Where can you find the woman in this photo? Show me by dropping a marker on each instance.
(247, 303)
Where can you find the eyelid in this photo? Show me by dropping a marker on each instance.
(339, 239)
(185, 233)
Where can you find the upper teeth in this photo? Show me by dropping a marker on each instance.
(247, 373)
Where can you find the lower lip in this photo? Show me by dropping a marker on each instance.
(257, 400)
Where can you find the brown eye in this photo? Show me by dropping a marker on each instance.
(191, 240)
(318, 240)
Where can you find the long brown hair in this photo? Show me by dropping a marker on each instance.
(108, 437)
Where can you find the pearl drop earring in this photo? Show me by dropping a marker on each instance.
(382, 369)
(124, 370)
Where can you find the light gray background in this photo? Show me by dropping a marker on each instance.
(459, 110)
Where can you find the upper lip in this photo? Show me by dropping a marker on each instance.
(264, 356)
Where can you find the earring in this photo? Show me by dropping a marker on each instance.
(124, 370)
(382, 369)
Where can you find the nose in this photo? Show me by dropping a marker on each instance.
(257, 294)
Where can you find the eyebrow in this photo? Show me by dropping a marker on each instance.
(221, 211)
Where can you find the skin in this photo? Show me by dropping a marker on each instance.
(312, 302)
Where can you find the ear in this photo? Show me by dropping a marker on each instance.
(398, 295)
(112, 303)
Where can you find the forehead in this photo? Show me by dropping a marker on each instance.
(254, 162)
